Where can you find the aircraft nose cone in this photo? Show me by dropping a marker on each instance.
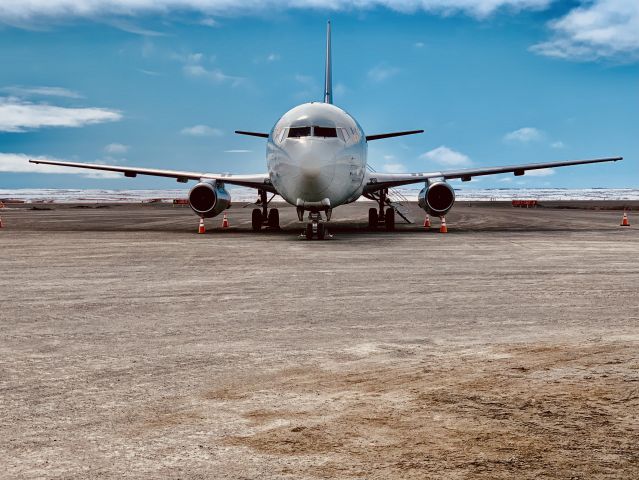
(315, 177)
(310, 170)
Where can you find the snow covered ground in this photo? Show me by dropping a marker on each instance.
(248, 195)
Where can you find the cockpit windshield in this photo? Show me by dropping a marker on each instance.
(324, 132)
(297, 132)
(316, 131)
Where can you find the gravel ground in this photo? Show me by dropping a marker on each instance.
(132, 347)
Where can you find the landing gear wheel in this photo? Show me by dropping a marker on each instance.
(256, 220)
(373, 218)
(274, 218)
(321, 231)
(389, 219)
(309, 231)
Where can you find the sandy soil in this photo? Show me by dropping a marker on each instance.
(133, 347)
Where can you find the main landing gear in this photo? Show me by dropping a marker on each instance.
(265, 217)
(384, 216)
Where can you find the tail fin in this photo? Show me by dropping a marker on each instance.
(328, 79)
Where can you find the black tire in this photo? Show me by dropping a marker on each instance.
(274, 218)
(309, 231)
(373, 218)
(389, 219)
(256, 220)
(321, 231)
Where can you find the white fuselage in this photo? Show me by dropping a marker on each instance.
(316, 157)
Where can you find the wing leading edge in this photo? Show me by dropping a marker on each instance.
(378, 181)
(260, 181)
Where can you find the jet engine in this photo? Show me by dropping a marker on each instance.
(209, 198)
(437, 198)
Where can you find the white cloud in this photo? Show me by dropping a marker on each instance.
(590, 30)
(19, 116)
(305, 79)
(310, 88)
(542, 172)
(558, 144)
(194, 68)
(340, 89)
(238, 151)
(215, 75)
(270, 58)
(21, 11)
(393, 168)
(194, 57)
(595, 29)
(126, 26)
(446, 156)
(19, 163)
(149, 72)
(418, 44)
(20, 91)
(202, 131)
(524, 135)
(209, 22)
(116, 148)
(382, 72)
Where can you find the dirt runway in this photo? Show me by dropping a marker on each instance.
(132, 347)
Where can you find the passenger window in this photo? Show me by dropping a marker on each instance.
(324, 132)
(297, 132)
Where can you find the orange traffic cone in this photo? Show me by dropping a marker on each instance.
(624, 220)
(201, 228)
(427, 222)
(443, 228)
(225, 221)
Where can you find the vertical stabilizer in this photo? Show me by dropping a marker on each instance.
(328, 79)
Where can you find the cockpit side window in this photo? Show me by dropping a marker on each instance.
(324, 132)
(297, 132)
(281, 135)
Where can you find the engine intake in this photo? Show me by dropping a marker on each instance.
(209, 199)
(437, 198)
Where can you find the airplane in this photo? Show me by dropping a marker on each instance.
(316, 156)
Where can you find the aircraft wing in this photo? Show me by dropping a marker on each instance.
(378, 181)
(261, 181)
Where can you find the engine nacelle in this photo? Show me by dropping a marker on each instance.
(209, 198)
(437, 198)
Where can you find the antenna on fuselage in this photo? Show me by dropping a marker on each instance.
(328, 78)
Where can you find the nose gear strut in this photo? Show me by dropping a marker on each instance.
(315, 227)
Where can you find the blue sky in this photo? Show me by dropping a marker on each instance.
(164, 84)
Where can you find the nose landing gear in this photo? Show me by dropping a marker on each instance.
(315, 227)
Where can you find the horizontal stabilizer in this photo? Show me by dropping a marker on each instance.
(252, 134)
(392, 134)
